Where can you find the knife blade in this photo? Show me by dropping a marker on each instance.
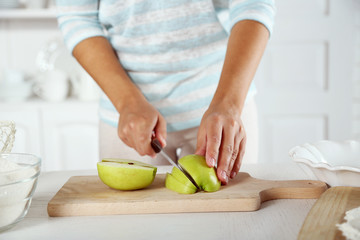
(155, 144)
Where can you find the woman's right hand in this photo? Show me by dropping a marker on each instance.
(138, 118)
(137, 123)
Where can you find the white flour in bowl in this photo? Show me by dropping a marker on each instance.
(12, 197)
(351, 227)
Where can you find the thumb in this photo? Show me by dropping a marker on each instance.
(160, 130)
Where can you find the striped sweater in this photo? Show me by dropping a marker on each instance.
(173, 50)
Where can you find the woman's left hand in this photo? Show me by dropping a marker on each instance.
(221, 139)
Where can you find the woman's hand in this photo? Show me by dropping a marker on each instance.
(138, 120)
(221, 136)
(221, 139)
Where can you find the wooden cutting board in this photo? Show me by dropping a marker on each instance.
(329, 210)
(87, 195)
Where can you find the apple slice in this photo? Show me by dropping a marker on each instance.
(204, 176)
(177, 181)
(174, 184)
(124, 174)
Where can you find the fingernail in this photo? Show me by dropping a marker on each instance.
(212, 162)
(224, 176)
(233, 174)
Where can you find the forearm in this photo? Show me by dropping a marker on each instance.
(99, 59)
(246, 45)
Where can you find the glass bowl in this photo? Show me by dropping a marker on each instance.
(334, 162)
(18, 179)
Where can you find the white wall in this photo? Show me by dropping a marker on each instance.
(308, 80)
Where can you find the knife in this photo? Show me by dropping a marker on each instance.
(155, 144)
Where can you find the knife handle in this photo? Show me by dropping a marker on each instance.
(155, 144)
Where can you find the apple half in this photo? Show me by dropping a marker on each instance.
(125, 174)
(204, 176)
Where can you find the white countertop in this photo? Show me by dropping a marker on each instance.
(276, 219)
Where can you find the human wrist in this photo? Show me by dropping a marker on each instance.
(231, 96)
(230, 104)
(129, 97)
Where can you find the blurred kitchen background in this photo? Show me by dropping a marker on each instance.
(308, 82)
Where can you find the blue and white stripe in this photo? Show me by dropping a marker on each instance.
(172, 50)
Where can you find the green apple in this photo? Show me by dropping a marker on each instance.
(204, 176)
(124, 174)
(178, 182)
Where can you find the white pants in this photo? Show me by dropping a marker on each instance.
(178, 143)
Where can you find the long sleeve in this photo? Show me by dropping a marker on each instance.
(172, 50)
(78, 20)
(262, 11)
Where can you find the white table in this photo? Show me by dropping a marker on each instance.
(277, 219)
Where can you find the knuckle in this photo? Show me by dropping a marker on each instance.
(122, 133)
(212, 154)
(232, 123)
(215, 139)
(242, 130)
(131, 125)
(229, 149)
(234, 155)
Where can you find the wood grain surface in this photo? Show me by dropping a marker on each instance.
(88, 196)
(328, 211)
